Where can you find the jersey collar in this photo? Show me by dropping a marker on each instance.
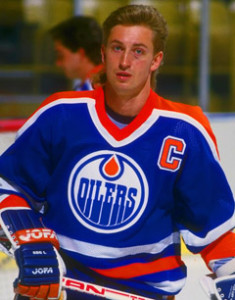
(115, 131)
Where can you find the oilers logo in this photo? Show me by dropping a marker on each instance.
(107, 191)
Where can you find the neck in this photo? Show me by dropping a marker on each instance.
(87, 68)
(126, 104)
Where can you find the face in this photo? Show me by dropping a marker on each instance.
(68, 61)
(129, 59)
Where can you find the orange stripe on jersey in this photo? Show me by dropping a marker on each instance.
(221, 248)
(60, 95)
(140, 269)
(66, 95)
(13, 201)
(192, 111)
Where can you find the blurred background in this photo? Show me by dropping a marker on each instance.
(28, 73)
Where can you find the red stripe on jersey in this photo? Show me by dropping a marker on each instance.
(13, 201)
(141, 269)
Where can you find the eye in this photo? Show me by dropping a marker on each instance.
(138, 51)
(117, 48)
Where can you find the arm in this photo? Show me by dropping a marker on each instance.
(205, 207)
(35, 250)
(219, 257)
(221, 248)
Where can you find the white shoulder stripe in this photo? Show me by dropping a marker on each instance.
(37, 114)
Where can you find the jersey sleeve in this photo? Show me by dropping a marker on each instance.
(223, 247)
(26, 166)
(205, 204)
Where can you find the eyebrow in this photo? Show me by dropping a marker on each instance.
(136, 44)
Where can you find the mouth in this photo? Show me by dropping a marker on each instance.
(123, 76)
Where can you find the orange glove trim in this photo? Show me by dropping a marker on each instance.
(22, 290)
(36, 235)
(54, 291)
(42, 292)
(39, 292)
(14, 201)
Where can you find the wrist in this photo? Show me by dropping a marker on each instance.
(22, 225)
(223, 267)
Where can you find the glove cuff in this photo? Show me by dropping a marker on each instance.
(35, 235)
(226, 269)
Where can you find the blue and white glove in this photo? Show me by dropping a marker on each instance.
(39, 274)
(35, 250)
(222, 285)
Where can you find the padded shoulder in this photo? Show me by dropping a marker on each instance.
(66, 95)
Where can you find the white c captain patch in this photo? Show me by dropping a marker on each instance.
(107, 191)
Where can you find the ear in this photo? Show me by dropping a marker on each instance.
(103, 53)
(157, 60)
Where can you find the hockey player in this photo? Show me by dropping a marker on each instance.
(77, 43)
(108, 180)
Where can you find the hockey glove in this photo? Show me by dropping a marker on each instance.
(221, 286)
(5, 244)
(40, 265)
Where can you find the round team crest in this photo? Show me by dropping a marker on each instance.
(107, 191)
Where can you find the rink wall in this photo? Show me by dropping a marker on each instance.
(223, 126)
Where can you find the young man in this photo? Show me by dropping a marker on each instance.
(77, 43)
(118, 174)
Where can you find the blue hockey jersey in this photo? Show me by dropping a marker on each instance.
(119, 199)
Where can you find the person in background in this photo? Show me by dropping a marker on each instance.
(77, 43)
(107, 181)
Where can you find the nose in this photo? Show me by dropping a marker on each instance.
(125, 60)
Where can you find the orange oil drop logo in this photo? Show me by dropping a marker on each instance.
(112, 167)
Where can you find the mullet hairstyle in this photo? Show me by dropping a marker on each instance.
(132, 15)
